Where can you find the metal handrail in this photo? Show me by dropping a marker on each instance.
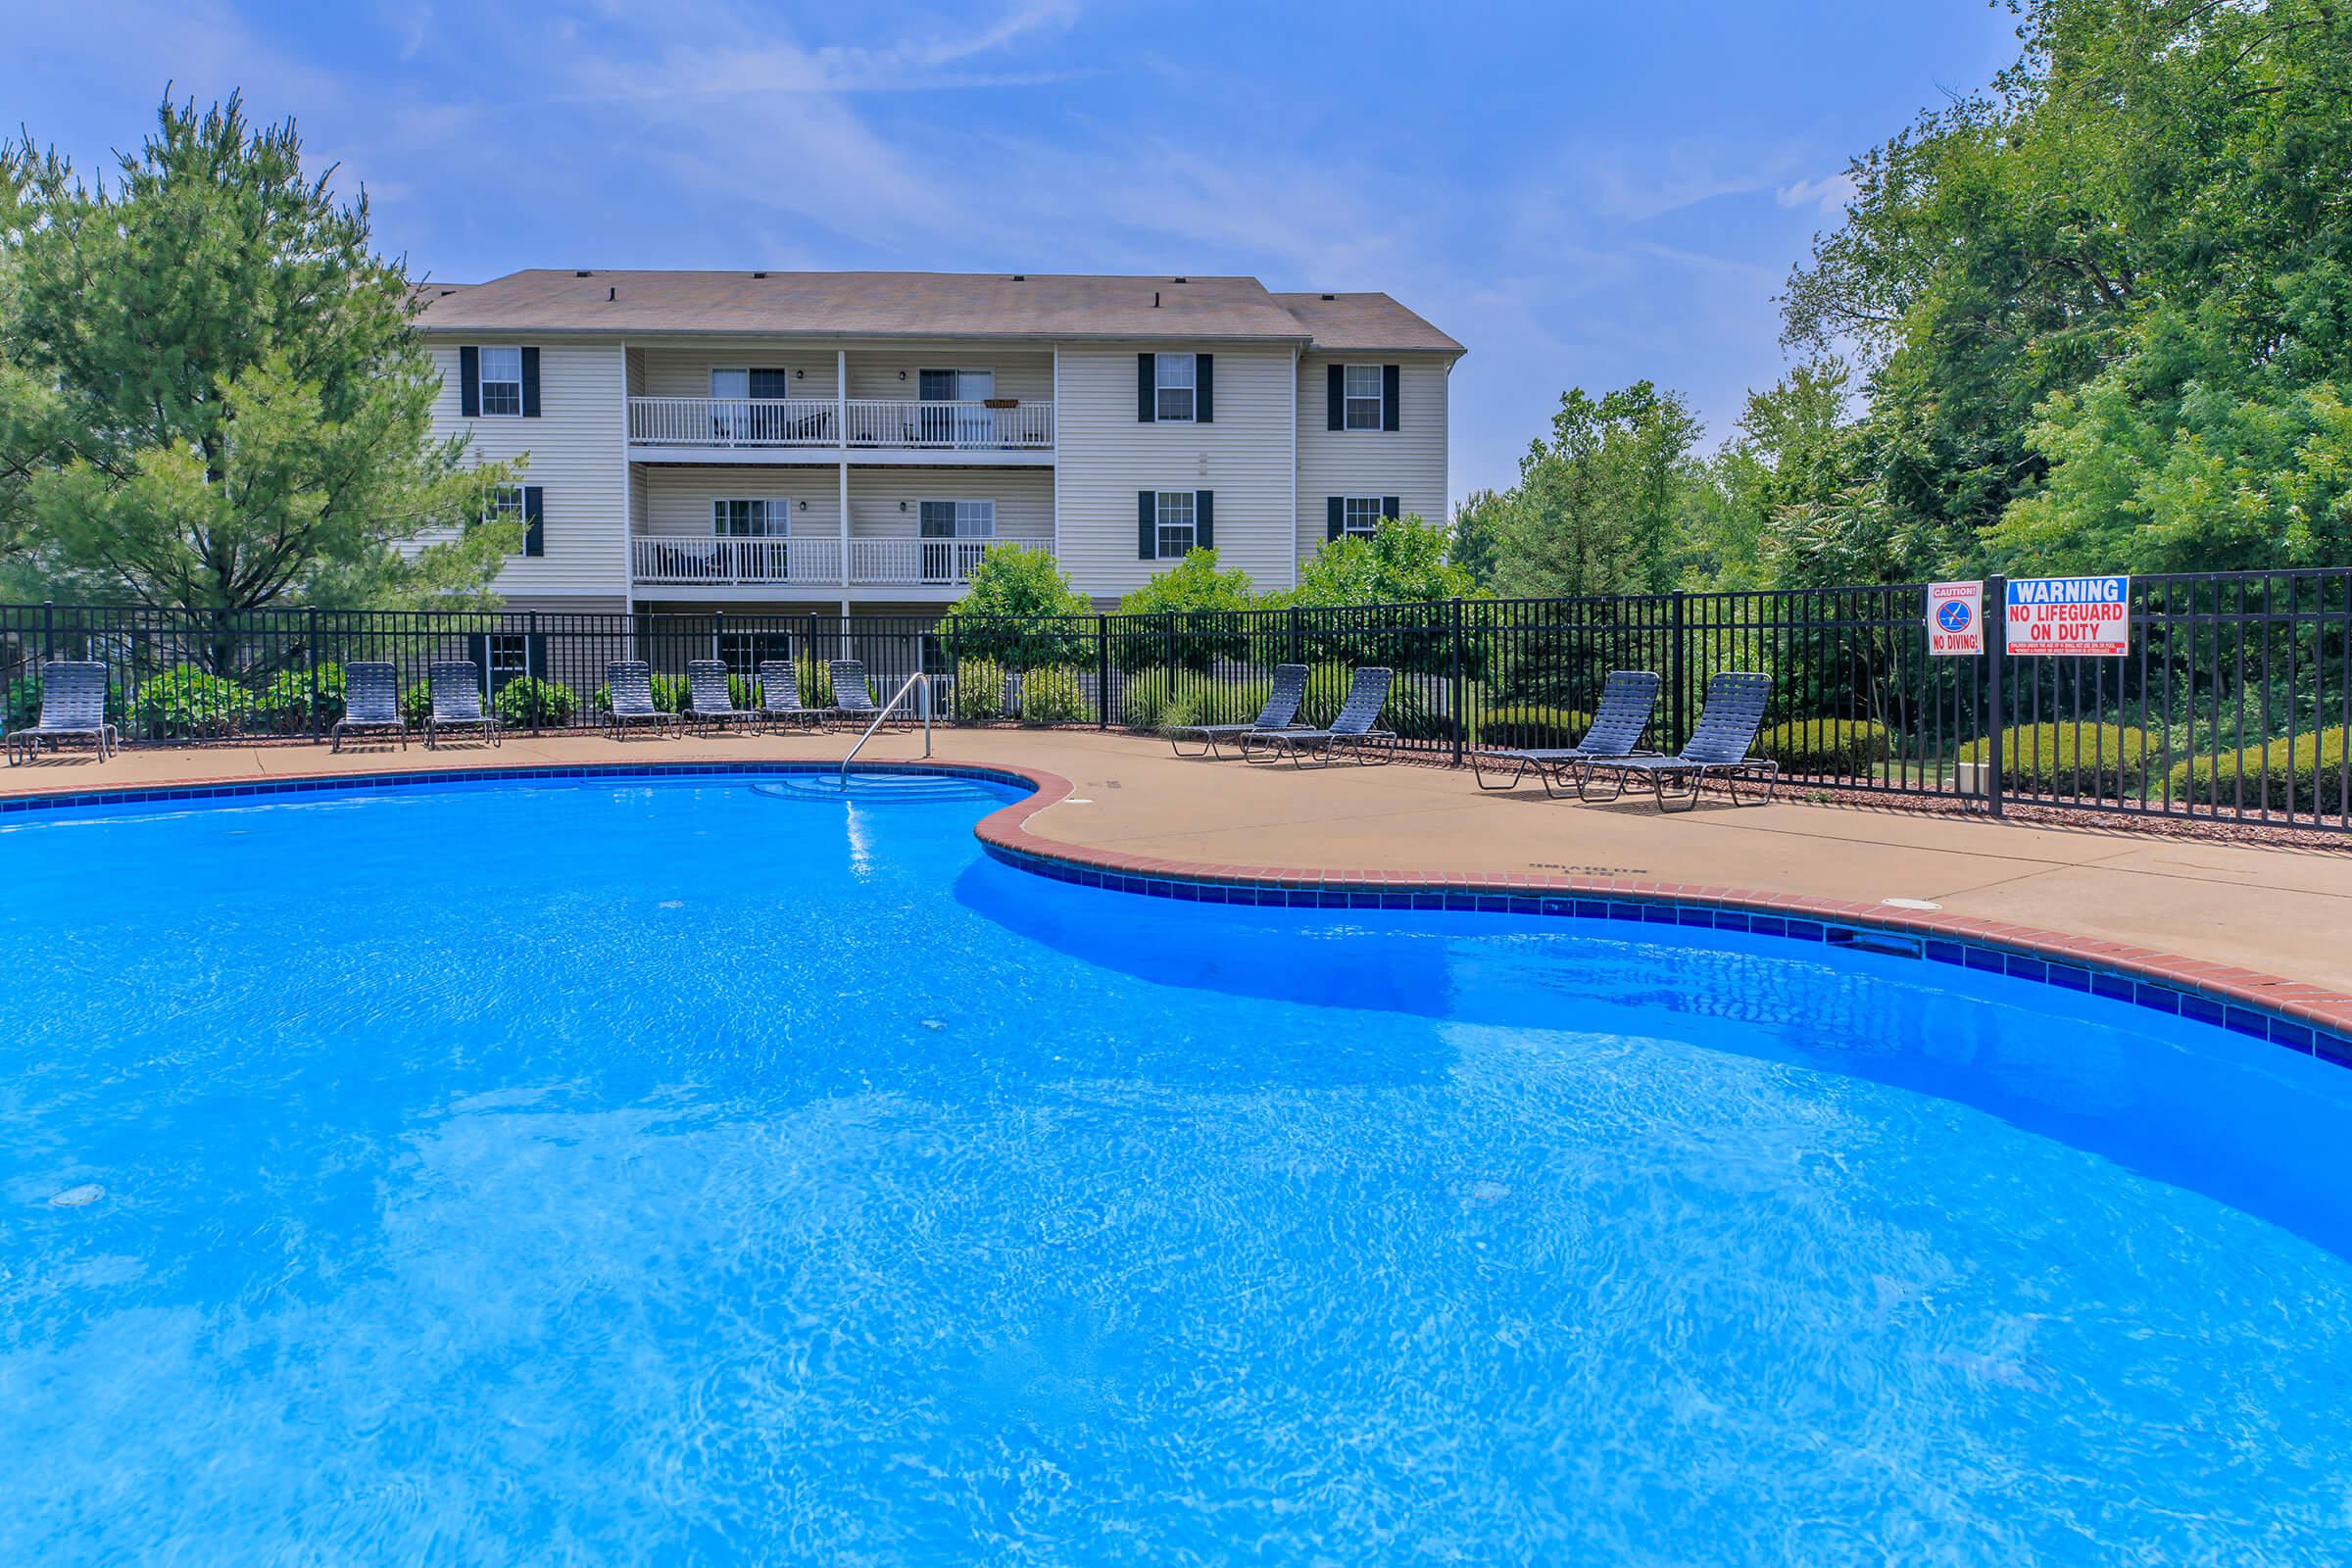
(918, 678)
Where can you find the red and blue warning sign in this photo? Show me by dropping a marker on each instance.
(1955, 618)
(2086, 618)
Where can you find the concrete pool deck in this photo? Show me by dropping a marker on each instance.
(2238, 913)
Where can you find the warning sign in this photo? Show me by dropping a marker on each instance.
(1956, 618)
(2089, 618)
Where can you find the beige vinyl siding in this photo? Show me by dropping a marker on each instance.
(677, 500)
(1024, 498)
(682, 368)
(1407, 462)
(1026, 373)
(575, 448)
(1105, 454)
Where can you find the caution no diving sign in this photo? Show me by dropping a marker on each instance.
(2086, 618)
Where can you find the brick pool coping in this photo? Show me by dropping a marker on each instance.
(2312, 1020)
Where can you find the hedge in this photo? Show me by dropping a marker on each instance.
(978, 691)
(1051, 695)
(1531, 725)
(1841, 746)
(2100, 759)
(515, 703)
(284, 704)
(2304, 775)
(186, 701)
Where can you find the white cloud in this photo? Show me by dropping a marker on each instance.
(1832, 193)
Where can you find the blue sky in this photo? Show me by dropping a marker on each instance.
(1584, 194)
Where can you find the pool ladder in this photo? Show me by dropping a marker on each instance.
(918, 681)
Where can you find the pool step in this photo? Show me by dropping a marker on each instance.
(872, 788)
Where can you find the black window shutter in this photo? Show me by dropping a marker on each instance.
(1205, 518)
(1389, 506)
(1334, 398)
(530, 383)
(1392, 380)
(1147, 523)
(477, 649)
(535, 651)
(1335, 517)
(1147, 387)
(1205, 388)
(470, 382)
(534, 521)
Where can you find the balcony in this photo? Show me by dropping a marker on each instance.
(809, 561)
(737, 429)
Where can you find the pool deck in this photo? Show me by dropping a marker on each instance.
(2241, 912)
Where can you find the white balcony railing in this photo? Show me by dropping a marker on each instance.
(735, 422)
(915, 563)
(958, 426)
(962, 427)
(728, 562)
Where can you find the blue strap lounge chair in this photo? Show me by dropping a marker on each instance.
(780, 696)
(1720, 746)
(1280, 713)
(853, 698)
(709, 702)
(73, 707)
(1353, 733)
(1627, 698)
(371, 704)
(629, 699)
(456, 688)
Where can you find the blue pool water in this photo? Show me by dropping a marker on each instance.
(707, 1171)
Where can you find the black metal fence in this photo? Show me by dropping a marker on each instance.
(2234, 701)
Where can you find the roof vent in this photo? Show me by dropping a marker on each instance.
(447, 292)
(583, 273)
(1179, 280)
(1156, 299)
(1020, 277)
(759, 274)
(613, 293)
(1331, 296)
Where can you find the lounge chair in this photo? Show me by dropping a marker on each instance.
(853, 698)
(457, 691)
(371, 704)
(708, 699)
(1727, 727)
(72, 706)
(629, 700)
(1280, 713)
(780, 695)
(1626, 700)
(1352, 732)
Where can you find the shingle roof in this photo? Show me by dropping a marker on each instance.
(921, 304)
(1342, 323)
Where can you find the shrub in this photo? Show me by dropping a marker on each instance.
(1217, 702)
(518, 700)
(1054, 695)
(2304, 775)
(1844, 747)
(284, 704)
(185, 702)
(1531, 724)
(1145, 700)
(416, 705)
(817, 683)
(979, 692)
(2101, 760)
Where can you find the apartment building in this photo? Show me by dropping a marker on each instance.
(854, 441)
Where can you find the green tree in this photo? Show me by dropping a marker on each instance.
(1020, 611)
(1602, 506)
(1477, 546)
(1403, 563)
(212, 396)
(1193, 584)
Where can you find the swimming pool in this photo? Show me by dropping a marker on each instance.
(724, 1169)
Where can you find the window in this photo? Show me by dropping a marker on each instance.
(1364, 409)
(505, 503)
(1359, 517)
(517, 502)
(958, 520)
(1176, 524)
(755, 517)
(502, 383)
(508, 655)
(1173, 385)
(744, 651)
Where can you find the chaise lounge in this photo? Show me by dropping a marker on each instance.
(73, 707)
(709, 702)
(1352, 732)
(629, 700)
(1627, 698)
(853, 698)
(455, 686)
(371, 704)
(780, 696)
(1281, 712)
(1727, 727)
